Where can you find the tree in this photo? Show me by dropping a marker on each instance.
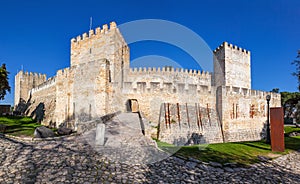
(275, 90)
(290, 103)
(4, 85)
(296, 62)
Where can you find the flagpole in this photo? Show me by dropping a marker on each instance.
(91, 22)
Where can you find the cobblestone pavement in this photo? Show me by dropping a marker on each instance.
(72, 160)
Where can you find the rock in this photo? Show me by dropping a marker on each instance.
(178, 160)
(231, 165)
(228, 169)
(263, 158)
(292, 134)
(215, 164)
(219, 170)
(194, 160)
(64, 131)
(43, 132)
(191, 165)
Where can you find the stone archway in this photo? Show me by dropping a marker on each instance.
(132, 105)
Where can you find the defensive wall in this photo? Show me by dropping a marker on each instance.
(213, 107)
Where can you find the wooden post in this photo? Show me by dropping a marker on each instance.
(200, 117)
(158, 127)
(197, 115)
(178, 115)
(208, 114)
(187, 114)
(169, 116)
(233, 114)
(236, 110)
(166, 121)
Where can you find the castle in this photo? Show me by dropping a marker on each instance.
(183, 103)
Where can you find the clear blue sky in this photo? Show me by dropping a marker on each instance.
(36, 34)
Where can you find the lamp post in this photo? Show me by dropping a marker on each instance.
(268, 139)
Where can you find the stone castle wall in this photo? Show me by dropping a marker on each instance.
(100, 81)
(238, 114)
(150, 99)
(243, 112)
(64, 95)
(82, 92)
(42, 104)
(24, 82)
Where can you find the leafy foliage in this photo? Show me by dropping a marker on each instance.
(275, 90)
(4, 85)
(297, 72)
(291, 104)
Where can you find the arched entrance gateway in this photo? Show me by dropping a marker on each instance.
(132, 105)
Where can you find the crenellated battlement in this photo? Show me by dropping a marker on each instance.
(50, 82)
(31, 74)
(164, 87)
(63, 72)
(232, 47)
(230, 90)
(94, 33)
(170, 71)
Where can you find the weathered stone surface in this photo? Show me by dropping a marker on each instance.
(43, 132)
(100, 133)
(64, 131)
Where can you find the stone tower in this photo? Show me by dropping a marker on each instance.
(24, 82)
(232, 66)
(102, 43)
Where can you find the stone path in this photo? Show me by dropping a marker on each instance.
(72, 160)
(125, 142)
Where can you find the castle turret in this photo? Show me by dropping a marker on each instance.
(24, 82)
(232, 66)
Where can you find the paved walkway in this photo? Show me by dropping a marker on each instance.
(73, 160)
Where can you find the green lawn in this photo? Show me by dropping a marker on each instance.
(241, 153)
(19, 126)
(289, 129)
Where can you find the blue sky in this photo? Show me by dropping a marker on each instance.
(36, 34)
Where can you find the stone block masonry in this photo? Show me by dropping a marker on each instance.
(24, 82)
(184, 124)
(214, 107)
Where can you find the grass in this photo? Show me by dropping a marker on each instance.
(241, 153)
(290, 129)
(19, 126)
